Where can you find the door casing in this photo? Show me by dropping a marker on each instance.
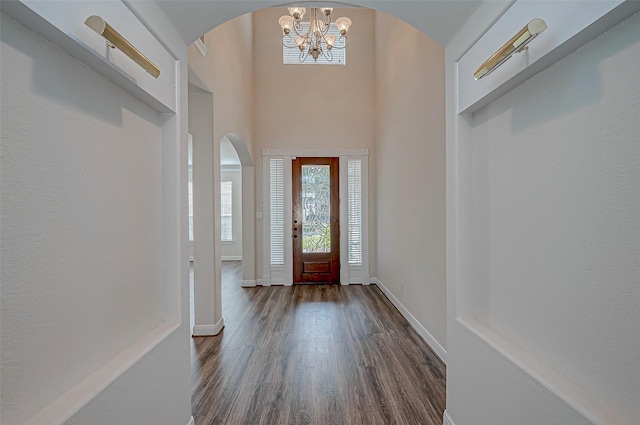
(283, 274)
(315, 267)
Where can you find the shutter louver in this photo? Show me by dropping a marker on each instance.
(276, 187)
(226, 223)
(355, 210)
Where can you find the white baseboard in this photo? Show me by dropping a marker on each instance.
(248, 283)
(208, 330)
(191, 421)
(446, 419)
(258, 282)
(415, 324)
(231, 258)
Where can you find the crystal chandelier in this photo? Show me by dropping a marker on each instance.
(313, 39)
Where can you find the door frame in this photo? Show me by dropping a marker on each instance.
(273, 275)
(300, 276)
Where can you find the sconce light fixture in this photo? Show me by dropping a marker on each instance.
(517, 44)
(114, 39)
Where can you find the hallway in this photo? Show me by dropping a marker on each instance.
(313, 354)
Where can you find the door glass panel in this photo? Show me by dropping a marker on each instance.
(316, 208)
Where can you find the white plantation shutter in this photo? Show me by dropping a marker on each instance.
(354, 213)
(226, 224)
(292, 56)
(190, 187)
(276, 187)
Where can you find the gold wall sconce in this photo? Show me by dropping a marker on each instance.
(517, 44)
(115, 40)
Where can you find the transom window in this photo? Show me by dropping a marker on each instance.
(292, 56)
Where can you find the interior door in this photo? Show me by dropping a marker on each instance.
(316, 220)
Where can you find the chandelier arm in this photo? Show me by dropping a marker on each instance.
(289, 46)
(328, 55)
(298, 27)
(344, 40)
(326, 30)
(301, 34)
(304, 54)
(289, 39)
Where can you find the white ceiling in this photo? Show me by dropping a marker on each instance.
(439, 19)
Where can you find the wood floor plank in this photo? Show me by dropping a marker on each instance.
(316, 355)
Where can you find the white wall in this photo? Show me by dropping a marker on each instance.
(207, 300)
(288, 99)
(550, 232)
(410, 170)
(233, 250)
(85, 251)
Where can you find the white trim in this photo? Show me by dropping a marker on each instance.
(231, 258)
(231, 168)
(366, 279)
(587, 404)
(208, 330)
(415, 324)
(201, 47)
(191, 421)
(288, 220)
(343, 180)
(70, 403)
(287, 155)
(315, 152)
(446, 419)
(266, 220)
(248, 284)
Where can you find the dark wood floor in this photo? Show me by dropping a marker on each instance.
(313, 354)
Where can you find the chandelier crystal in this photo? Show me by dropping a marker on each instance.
(315, 40)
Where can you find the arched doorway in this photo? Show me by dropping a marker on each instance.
(248, 209)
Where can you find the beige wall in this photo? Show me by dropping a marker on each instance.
(311, 107)
(227, 72)
(410, 170)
